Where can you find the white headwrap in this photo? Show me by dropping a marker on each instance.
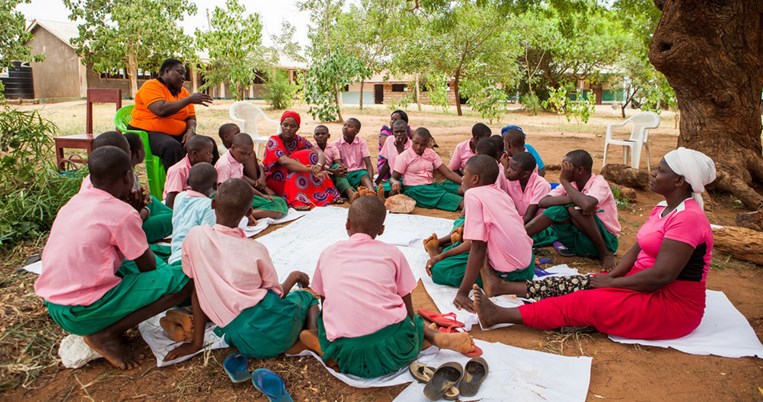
(697, 169)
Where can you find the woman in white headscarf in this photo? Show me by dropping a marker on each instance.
(657, 291)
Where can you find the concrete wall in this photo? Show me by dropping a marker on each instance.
(391, 97)
(59, 75)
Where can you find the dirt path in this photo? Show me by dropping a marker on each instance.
(619, 372)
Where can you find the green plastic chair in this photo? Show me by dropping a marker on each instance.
(154, 168)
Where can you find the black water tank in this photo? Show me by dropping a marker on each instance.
(18, 81)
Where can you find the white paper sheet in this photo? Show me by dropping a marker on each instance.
(724, 331)
(263, 224)
(161, 344)
(517, 374)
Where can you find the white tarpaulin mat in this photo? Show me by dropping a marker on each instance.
(161, 344)
(517, 374)
(724, 331)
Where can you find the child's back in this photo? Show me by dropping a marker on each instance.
(193, 207)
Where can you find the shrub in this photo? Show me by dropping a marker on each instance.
(531, 103)
(280, 91)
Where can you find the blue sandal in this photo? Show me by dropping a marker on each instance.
(271, 385)
(236, 366)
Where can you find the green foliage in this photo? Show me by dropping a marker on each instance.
(582, 108)
(437, 88)
(137, 34)
(621, 200)
(234, 44)
(31, 190)
(280, 91)
(485, 98)
(325, 79)
(531, 103)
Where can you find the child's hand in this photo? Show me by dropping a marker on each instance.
(568, 172)
(395, 188)
(267, 197)
(180, 351)
(505, 160)
(431, 262)
(137, 200)
(251, 219)
(341, 170)
(464, 302)
(296, 277)
(321, 175)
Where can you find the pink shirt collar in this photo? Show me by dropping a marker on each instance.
(235, 232)
(354, 141)
(360, 237)
(191, 193)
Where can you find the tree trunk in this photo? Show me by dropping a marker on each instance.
(740, 243)
(338, 105)
(711, 52)
(132, 72)
(418, 93)
(456, 80)
(361, 93)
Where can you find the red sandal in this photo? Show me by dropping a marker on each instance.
(443, 320)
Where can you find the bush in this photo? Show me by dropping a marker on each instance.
(486, 98)
(531, 103)
(280, 91)
(31, 189)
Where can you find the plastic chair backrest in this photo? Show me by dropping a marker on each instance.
(154, 169)
(642, 122)
(123, 118)
(246, 114)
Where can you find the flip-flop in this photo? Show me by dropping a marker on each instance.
(477, 352)
(421, 372)
(271, 385)
(443, 320)
(444, 378)
(475, 372)
(563, 250)
(236, 366)
(452, 329)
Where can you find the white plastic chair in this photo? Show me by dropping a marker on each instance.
(245, 114)
(641, 122)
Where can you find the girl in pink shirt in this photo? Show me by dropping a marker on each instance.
(417, 166)
(390, 151)
(657, 291)
(367, 326)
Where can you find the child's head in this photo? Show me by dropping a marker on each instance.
(203, 178)
(480, 170)
(242, 147)
(350, 129)
(232, 202)
(111, 171)
(111, 138)
(581, 160)
(226, 133)
(421, 140)
(398, 115)
(366, 215)
(513, 139)
(137, 153)
(480, 131)
(321, 135)
(199, 149)
(521, 166)
(486, 146)
(400, 131)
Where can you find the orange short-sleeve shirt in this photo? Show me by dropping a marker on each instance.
(150, 92)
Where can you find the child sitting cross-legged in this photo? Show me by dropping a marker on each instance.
(526, 189)
(416, 167)
(254, 172)
(231, 166)
(199, 149)
(193, 207)
(334, 164)
(390, 151)
(236, 284)
(500, 249)
(367, 327)
(99, 277)
(355, 156)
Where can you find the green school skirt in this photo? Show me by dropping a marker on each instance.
(277, 205)
(382, 352)
(441, 270)
(451, 271)
(433, 195)
(271, 327)
(544, 238)
(354, 177)
(569, 235)
(133, 292)
(451, 186)
(159, 222)
(341, 183)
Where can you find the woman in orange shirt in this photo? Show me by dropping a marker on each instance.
(165, 110)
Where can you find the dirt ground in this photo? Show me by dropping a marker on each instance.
(29, 340)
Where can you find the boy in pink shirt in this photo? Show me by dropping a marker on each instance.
(526, 189)
(500, 249)
(582, 211)
(390, 151)
(354, 153)
(253, 169)
(334, 164)
(199, 149)
(466, 149)
(236, 285)
(231, 166)
(80, 284)
(417, 166)
(367, 326)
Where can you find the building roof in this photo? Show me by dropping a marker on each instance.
(65, 31)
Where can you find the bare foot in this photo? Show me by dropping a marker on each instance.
(460, 342)
(380, 193)
(432, 245)
(296, 348)
(354, 196)
(175, 331)
(485, 308)
(310, 340)
(457, 235)
(490, 281)
(113, 350)
(608, 262)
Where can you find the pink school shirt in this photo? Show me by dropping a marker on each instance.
(461, 155)
(389, 151)
(332, 154)
(352, 153)
(537, 188)
(509, 248)
(228, 168)
(177, 177)
(597, 187)
(501, 181)
(363, 281)
(90, 238)
(86, 184)
(687, 224)
(231, 273)
(417, 169)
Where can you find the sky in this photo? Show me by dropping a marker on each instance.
(272, 14)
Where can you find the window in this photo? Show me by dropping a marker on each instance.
(398, 87)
